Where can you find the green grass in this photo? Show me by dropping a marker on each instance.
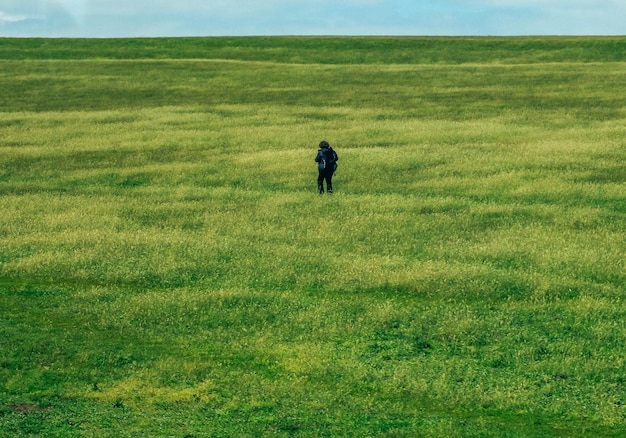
(167, 268)
(329, 50)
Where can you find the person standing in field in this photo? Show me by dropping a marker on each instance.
(326, 160)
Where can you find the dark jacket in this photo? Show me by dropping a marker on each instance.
(330, 156)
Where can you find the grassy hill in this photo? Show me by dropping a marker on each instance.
(167, 268)
(329, 50)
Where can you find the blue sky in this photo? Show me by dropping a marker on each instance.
(153, 18)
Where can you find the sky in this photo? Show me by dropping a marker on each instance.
(159, 18)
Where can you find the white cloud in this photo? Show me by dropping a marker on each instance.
(12, 18)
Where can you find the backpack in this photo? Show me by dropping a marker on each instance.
(328, 161)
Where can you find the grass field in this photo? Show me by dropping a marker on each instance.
(168, 269)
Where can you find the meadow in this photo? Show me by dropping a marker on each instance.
(167, 267)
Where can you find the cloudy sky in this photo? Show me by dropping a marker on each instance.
(153, 18)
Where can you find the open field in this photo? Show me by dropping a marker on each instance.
(167, 268)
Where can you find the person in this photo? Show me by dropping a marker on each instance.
(326, 160)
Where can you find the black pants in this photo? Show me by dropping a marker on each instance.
(328, 176)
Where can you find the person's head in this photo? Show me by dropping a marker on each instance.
(324, 145)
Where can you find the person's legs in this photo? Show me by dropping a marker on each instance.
(320, 182)
(329, 182)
